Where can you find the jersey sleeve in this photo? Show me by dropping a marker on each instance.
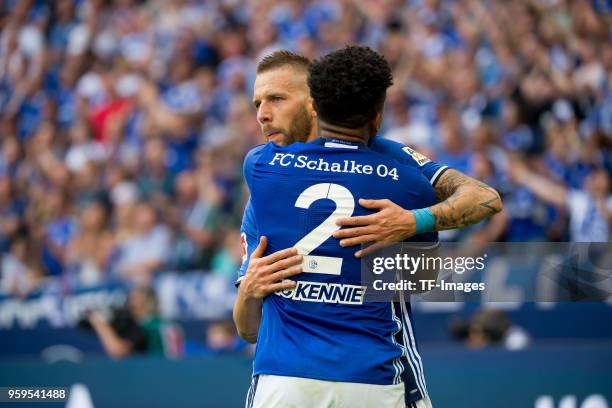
(248, 239)
(249, 164)
(408, 156)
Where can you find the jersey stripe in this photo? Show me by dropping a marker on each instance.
(251, 394)
(410, 357)
(437, 174)
(398, 322)
(412, 362)
(409, 337)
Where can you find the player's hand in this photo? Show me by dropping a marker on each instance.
(390, 224)
(268, 274)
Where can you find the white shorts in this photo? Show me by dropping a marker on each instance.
(273, 391)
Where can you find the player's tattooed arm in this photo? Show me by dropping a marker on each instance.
(463, 201)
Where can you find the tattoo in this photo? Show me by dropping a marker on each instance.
(486, 205)
(458, 195)
(450, 181)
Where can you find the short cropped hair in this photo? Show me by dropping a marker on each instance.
(349, 85)
(282, 58)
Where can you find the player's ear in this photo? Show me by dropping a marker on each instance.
(379, 118)
(375, 123)
(310, 107)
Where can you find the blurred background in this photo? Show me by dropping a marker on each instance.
(123, 125)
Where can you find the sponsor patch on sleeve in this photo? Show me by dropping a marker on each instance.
(421, 159)
(245, 246)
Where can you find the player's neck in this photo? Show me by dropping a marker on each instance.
(360, 135)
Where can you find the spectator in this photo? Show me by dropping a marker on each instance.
(227, 261)
(82, 148)
(144, 253)
(90, 249)
(194, 221)
(10, 158)
(138, 328)
(590, 209)
(128, 101)
(154, 181)
(10, 213)
(87, 185)
(57, 229)
(489, 328)
(220, 337)
(21, 272)
(124, 196)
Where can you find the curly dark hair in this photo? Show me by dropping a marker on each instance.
(349, 85)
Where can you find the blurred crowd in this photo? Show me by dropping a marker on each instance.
(123, 123)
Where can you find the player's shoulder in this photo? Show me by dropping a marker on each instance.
(250, 159)
(398, 151)
(255, 152)
(387, 147)
(410, 157)
(378, 155)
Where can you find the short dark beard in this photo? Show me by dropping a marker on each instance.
(300, 127)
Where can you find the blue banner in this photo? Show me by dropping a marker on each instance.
(194, 295)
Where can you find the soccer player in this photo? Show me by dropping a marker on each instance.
(319, 343)
(284, 111)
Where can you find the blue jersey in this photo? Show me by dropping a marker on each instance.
(413, 373)
(322, 329)
(399, 152)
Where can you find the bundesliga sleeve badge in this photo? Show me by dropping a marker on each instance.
(421, 159)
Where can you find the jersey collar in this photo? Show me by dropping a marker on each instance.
(339, 143)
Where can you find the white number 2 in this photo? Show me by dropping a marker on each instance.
(345, 204)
